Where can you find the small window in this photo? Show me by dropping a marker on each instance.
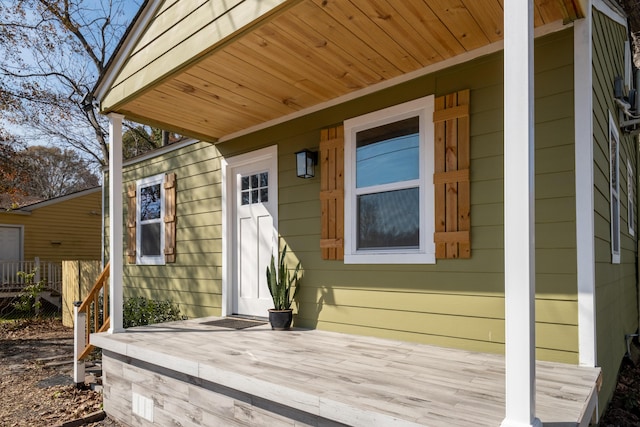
(631, 199)
(389, 201)
(628, 67)
(614, 187)
(254, 188)
(150, 220)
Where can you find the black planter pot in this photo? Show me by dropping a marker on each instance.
(280, 319)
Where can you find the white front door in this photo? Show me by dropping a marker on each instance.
(254, 198)
(10, 243)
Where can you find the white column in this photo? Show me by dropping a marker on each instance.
(116, 254)
(519, 220)
(585, 241)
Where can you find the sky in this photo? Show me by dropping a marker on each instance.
(129, 10)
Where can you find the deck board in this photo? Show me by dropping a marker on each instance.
(352, 379)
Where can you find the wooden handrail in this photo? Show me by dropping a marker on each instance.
(97, 286)
(90, 306)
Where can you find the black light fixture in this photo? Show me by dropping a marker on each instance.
(305, 163)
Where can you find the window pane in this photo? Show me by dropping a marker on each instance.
(615, 223)
(389, 220)
(264, 179)
(150, 202)
(389, 153)
(245, 183)
(264, 195)
(150, 239)
(245, 198)
(614, 163)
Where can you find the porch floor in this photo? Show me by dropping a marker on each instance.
(354, 380)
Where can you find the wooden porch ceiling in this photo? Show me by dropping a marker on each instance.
(316, 50)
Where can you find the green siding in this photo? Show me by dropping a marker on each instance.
(616, 295)
(457, 303)
(194, 281)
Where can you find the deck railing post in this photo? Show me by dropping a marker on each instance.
(36, 267)
(79, 343)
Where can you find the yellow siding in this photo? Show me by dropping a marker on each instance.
(75, 223)
(180, 32)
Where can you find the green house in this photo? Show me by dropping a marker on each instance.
(473, 185)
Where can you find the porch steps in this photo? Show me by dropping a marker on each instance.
(52, 297)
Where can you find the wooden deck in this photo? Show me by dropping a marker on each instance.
(333, 378)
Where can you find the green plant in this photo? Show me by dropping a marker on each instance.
(140, 311)
(28, 299)
(281, 281)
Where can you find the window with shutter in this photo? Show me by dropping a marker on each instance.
(451, 177)
(392, 211)
(131, 224)
(389, 193)
(154, 226)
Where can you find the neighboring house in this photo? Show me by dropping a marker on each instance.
(38, 237)
(401, 232)
(63, 228)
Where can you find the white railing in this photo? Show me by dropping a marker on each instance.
(49, 272)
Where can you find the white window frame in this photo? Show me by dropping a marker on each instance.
(149, 259)
(631, 198)
(425, 254)
(614, 191)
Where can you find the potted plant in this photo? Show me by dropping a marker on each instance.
(280, 282)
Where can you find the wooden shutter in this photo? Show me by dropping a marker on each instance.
(170, 218)
(131, 224)
(331, 156)
(451, 178)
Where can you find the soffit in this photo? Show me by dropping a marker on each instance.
(315, 51)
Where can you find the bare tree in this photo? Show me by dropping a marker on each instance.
(12, 173)
(55, 172)
(53, 52)
(632, 8)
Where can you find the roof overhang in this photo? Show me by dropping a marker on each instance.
(259, 62)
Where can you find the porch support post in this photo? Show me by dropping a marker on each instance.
(519, 220)
(116, 254)
(585, 223)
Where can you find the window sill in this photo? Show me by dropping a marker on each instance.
(390, 258)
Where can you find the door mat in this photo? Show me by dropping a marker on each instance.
(232, 323)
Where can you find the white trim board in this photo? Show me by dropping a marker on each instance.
(122, 54)
(611, 10)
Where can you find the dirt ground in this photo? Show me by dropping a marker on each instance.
(37, 389)
(624, 409)
(36, 377)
